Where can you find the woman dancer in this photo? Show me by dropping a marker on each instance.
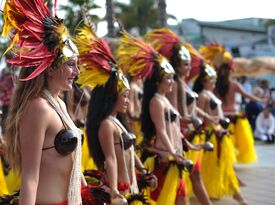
(43, 144)
(182, 97)
(110, 142)
(135, 53)
(217, 167)
(226, 88)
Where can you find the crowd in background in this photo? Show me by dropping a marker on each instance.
(260, 115)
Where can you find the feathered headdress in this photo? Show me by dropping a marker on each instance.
(216, 54)
(96, 61)
(164, 41)
(37, 38)
(196, 61)
(138, 58)
(168, 44)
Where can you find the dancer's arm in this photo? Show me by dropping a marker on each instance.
(106, 139)
(32, 133)
(239, 89)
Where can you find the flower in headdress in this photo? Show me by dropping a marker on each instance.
(209, 71)
(96, 61)
(37, 38)
(216, 54)
(138, 58)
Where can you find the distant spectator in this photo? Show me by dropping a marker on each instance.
(273, 107)
(247, 88)
(253, 108)
(272, 97)
(6, 89)
(265, 86)
(265, 126)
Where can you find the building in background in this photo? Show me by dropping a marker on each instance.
(244, 37)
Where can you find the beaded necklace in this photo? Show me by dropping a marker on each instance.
(74, 191)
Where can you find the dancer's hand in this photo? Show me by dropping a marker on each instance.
(179, 158)
(117, 198)
(153, 181)
(198, 147)
(214, 119)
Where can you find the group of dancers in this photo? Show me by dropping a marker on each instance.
(148, 137)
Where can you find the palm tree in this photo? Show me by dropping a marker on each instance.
(73, 13)
(139, 14)
(110, 18)
(162, 15)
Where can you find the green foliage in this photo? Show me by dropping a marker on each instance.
(139, 14)
(73, 13)
(270, 22)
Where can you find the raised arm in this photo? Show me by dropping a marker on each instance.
(33, 128)
(239, 89)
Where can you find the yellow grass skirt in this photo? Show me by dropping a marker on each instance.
(87, 160)
(168, 192)
(244, 142)
(13, 181)
(217, 171)
(3, 186)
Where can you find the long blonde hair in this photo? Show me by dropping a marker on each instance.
(24, 92)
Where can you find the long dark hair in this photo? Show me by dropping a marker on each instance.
(149, 90)
(222, 83)
(101, 105)
(198, 84)
(175, 60)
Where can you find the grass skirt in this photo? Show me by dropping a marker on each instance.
(244, 141)
(87, 160)
(3, 186)
(217, 170)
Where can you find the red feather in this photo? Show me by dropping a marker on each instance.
(44, 64)
(34, 28)
(29, 15)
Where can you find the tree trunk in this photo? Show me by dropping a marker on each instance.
(110, 18)
(162, 15)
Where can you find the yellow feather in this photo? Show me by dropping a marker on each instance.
(10, 23)
(215, 54)
(90, 74)
(131, 48)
